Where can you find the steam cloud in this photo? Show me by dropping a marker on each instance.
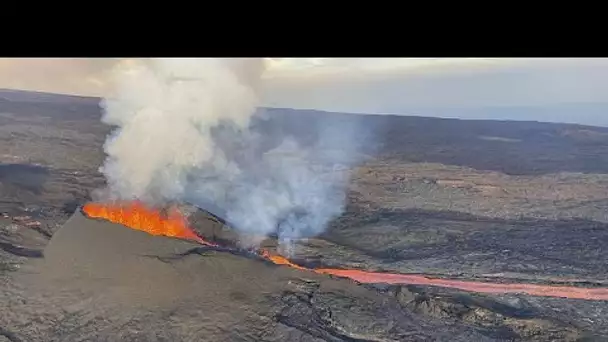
(184, 132)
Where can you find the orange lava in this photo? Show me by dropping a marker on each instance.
(280, 260)
(137, 216)
(472, 286)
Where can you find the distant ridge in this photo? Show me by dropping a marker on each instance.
(511, 147)
(520, 114)
(11, 95)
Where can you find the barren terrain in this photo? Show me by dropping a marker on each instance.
(492, 201)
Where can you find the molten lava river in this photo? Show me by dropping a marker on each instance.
(137, 216)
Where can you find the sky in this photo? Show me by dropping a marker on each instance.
(545, 89)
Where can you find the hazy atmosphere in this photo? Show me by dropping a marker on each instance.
(554, 90)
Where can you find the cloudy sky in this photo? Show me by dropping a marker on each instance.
(562, 90)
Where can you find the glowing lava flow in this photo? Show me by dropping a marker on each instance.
(473, 286)
(279, 260)
(137, 216)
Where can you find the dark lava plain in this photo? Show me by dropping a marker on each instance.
(498, 201)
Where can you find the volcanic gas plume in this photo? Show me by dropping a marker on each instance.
(183, 133)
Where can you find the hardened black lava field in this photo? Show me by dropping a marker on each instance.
(475, 200)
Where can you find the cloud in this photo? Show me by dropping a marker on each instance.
(556, 90)
(444, 83)
(419, 86)
(79, 76)
(355, 68)
(89, 76)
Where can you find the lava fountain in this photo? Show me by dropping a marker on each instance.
(138, 216)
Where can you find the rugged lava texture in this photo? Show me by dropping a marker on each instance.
(498, 201)
(108, 282)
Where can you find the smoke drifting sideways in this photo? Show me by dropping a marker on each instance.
(191, 130)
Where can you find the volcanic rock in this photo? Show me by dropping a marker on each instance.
(106, 282)
(501, 201)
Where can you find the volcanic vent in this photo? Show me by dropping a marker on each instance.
(180, 221)
(169, 222)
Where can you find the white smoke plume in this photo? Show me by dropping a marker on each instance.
(183, 134)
